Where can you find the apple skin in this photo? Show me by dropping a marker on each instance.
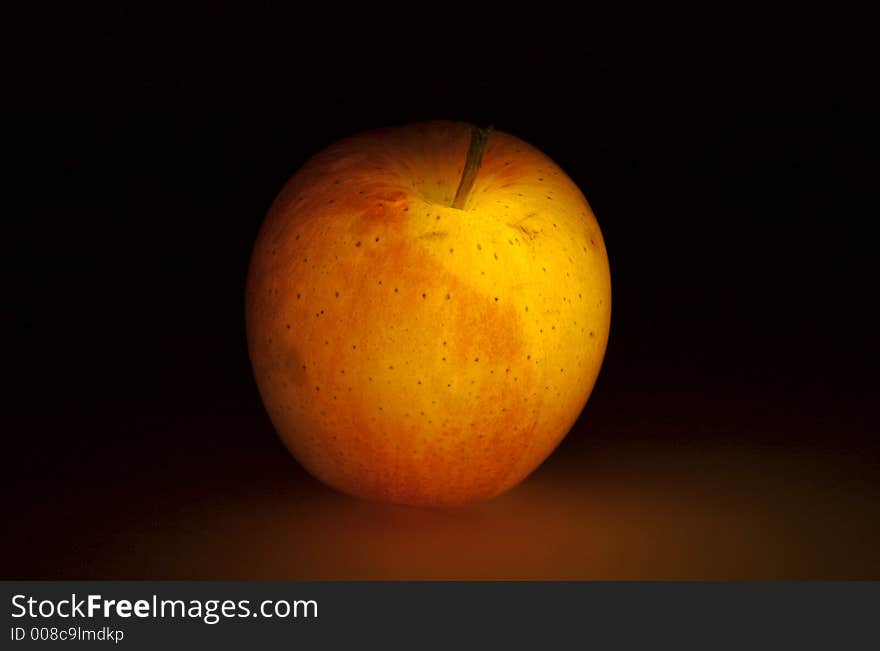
(411, 352)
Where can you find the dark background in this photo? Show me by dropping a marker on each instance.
(731, 159)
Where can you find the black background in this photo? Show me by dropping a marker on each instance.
(731, 158)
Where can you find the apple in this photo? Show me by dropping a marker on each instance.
(427, 310)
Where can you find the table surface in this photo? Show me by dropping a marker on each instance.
(650, 487)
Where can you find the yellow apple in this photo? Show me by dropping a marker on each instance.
(422, 330)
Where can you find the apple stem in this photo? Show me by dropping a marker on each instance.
(479, 140)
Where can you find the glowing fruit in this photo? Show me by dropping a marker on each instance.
(411, 351)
